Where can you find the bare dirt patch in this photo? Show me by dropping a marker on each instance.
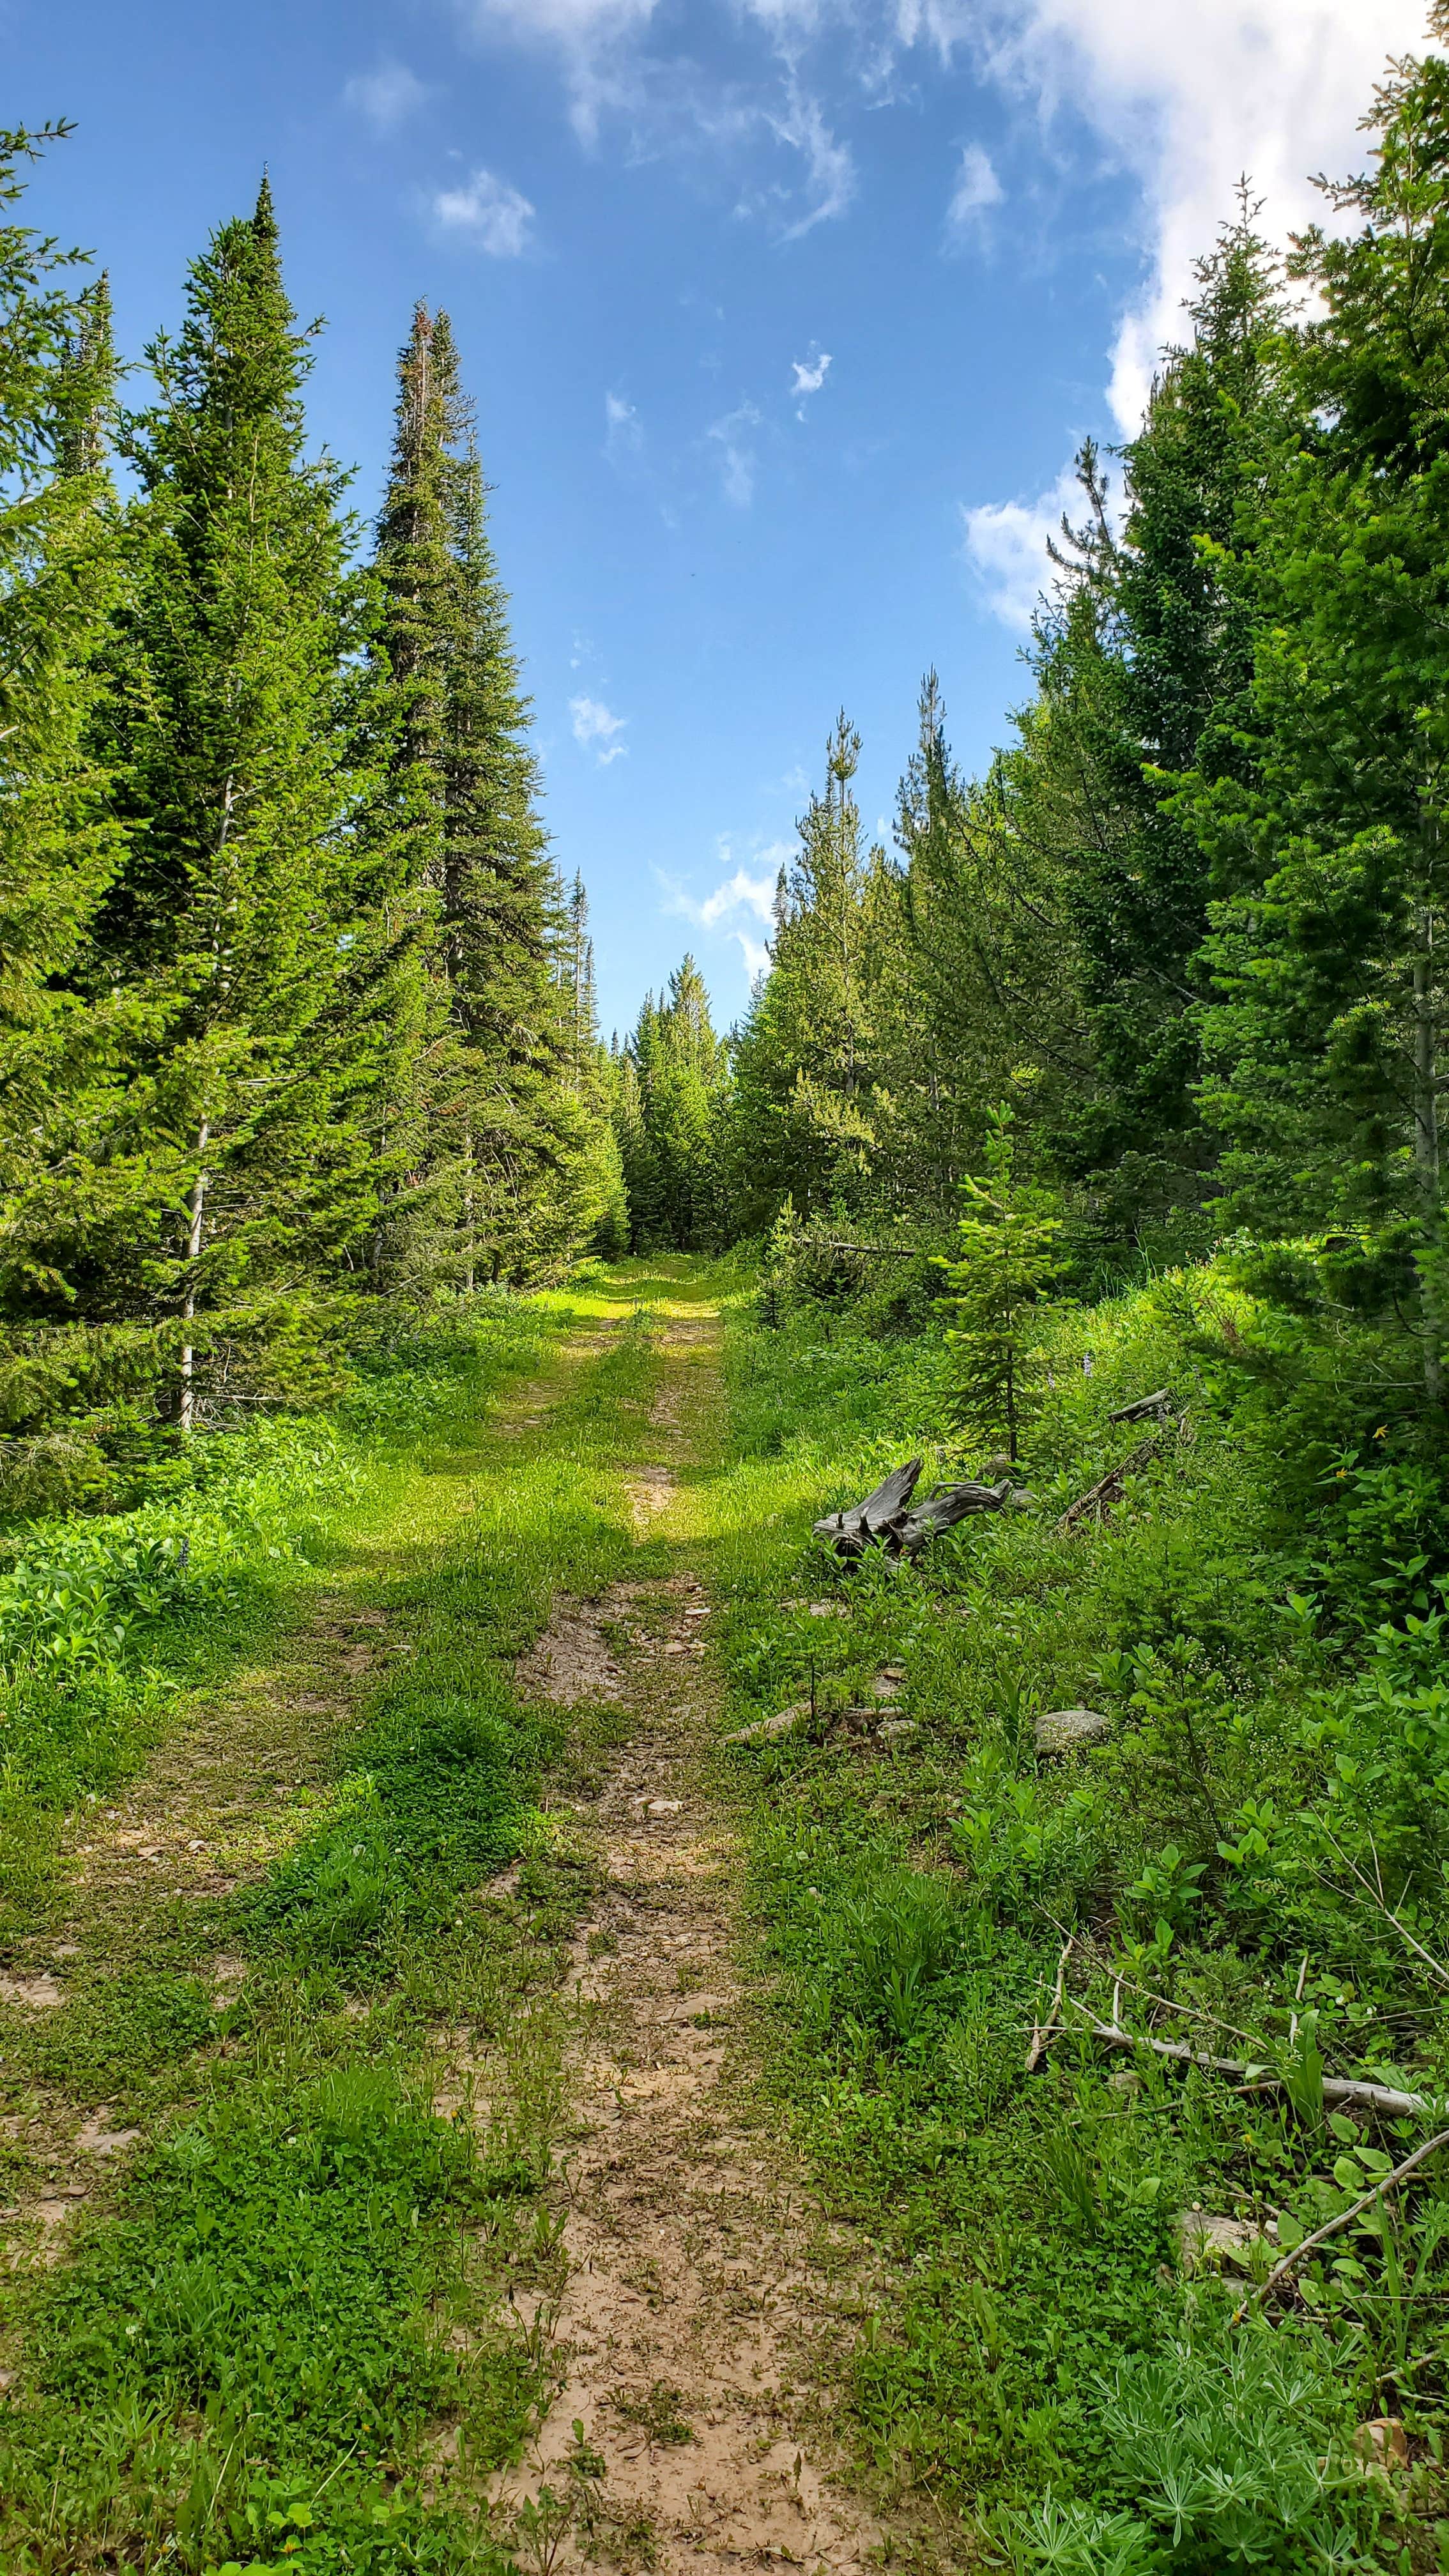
(706, 2299)
(573, 1660)
(650, 1491)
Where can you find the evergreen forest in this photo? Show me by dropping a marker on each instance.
(724, 1755)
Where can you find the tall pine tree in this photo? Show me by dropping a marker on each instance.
(60, 584)
(217, 1189)
(512, 1110)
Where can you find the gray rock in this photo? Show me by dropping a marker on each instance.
(892, 1728)
(784, 1722)
(1211, 2244)
(1063, 1730)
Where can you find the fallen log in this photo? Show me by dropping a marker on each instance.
(886, 1520)
(1108, 1489)
(1159, 1402)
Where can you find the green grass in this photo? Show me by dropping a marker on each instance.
(106, 1622)
(912, 1901)
(285, 2339)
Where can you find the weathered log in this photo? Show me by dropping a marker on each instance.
(885, 1519)
(1159, 1403)
(851, 1532)
(1100, 1497)
(953, 1503)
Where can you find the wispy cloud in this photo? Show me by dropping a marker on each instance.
(829, 182)
(736, 456)
(1187, 96)
(1006, 548)
(748, 891)
(592, 724)
(1184, 94)
(623, 429)
(384, 98)
(809, 374)
(977, 188)
(487, 212)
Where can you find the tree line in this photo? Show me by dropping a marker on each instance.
(1188, 929)
(296, 1018)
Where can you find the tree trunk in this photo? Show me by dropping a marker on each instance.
(196, 1216)
(1426, 1155)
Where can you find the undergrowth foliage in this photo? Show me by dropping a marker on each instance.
(298, 2287)
(103, 1620)
(1252, 1857)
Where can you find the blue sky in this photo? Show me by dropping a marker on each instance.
(783, 319)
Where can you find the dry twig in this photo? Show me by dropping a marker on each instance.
(1108, 1489)
(1041, 2031)
(1345, 2218)
(1336, 2088)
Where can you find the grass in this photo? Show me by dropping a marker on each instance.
(287, 2332)
(1041, 2337)
(285, 2336)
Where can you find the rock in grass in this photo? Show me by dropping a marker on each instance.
(1382, 2444)
(764, 1729)
(1063, 1730)
(893, 1727)
(1219, 2244)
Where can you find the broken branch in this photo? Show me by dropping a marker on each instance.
(1159, 1402)
(1108, 1488)
(1041, 2032)
(1336, 2088)
(1345, 2218)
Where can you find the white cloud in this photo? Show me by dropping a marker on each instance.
(1006, 548)
(1189, 94)
(810, 374)
(593, 723)
(595, 40)
(741, 892)
(977, 187)
(829, 165)
(495, 217)
(737, 457)
(1184, 94)
(385, 97)
(748, 890)
(623, 430)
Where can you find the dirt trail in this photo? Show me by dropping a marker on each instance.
(244, 1774)
(703, 2308)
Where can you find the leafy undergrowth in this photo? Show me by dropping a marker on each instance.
(104, 1619)
(1256, 1859)
(288, 2342)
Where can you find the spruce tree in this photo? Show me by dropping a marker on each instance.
(803, 1110)
(669, 1099)
(512, 1097)
(1326, 1040)
(219, 1192)
(60, 583)
(1007, 1264)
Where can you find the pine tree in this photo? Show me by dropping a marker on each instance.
(230, 943)
(669, 1094)
(60, 580)
(1326, 1039)
(1008, 1262)
(511, 1096)
(804, 1077)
